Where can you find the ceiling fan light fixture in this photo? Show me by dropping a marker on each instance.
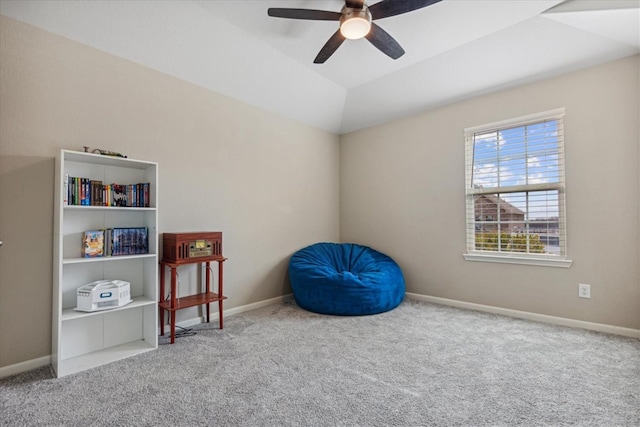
(355, 23)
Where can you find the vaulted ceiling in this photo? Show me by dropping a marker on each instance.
(455, 49)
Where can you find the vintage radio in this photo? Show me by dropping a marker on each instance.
(190, 247)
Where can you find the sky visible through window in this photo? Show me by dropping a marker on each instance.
(525, 155)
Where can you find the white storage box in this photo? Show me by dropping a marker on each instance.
(103, 295)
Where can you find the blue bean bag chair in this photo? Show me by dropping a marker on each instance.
(345, 279)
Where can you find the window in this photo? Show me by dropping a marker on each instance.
(515, 191)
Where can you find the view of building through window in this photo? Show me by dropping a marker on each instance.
(515, 178)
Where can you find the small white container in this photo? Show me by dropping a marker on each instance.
(103, 295)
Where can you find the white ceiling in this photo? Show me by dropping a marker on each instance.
(455, 49)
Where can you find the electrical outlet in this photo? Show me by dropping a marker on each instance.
(584, 290)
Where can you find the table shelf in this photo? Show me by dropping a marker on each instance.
(192, 301)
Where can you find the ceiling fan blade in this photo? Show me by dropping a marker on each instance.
(329, 47)
(311, 14)
(387, 8)
(355, 4)
(383, 41)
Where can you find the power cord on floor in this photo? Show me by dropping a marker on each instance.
(184, 332)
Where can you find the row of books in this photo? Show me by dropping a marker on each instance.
(88, 192)
(115, 242)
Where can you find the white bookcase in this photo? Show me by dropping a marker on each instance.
(82, 340)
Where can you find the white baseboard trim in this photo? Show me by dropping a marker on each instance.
(28, 365)
(599, 327)
(18, 368)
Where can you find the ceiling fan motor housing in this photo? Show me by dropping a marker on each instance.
(355, 23)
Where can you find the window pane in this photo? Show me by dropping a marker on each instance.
(521, 155)
(525, 222)
(485, 155)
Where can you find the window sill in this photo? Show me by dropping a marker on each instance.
(514, 259)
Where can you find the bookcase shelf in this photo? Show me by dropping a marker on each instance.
(108, 208)
(106, 258)
(90, 360)
(72, 314)
(83, 340)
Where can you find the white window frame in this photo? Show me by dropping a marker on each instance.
(512, 257)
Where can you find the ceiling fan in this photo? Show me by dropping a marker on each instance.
(356, 22)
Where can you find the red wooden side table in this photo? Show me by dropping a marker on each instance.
(174, 303)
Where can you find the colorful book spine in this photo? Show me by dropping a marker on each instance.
(79, 191)
(146, 187)
(65, 190)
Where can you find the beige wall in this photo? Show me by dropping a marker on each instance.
(402, 191)
(269, 183)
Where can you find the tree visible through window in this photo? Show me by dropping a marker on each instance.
(515, 187)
